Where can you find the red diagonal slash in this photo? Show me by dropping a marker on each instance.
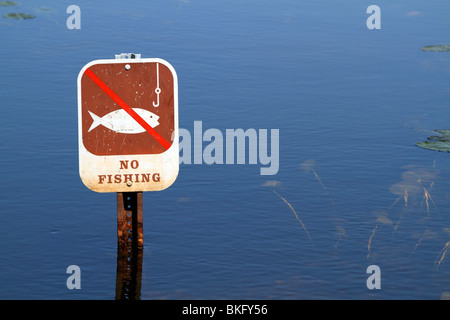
(127, 108)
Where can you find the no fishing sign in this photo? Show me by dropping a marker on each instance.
(128, 125)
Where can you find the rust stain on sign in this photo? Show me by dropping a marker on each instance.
(128, 125)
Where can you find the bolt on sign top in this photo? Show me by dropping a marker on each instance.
(128, 124)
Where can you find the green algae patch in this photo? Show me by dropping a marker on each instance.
(8, 3)
(437, 48)
(19, 16)
(437, 143)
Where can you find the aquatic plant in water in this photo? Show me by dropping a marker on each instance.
(44, 9)
(437, 143)
(296, 216)
(8, 3)
(18, 16)
(437, 48)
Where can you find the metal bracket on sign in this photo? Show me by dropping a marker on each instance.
(128, 56)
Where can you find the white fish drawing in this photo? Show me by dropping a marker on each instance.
(120, 121)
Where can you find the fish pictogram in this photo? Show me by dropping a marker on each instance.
(120, 122)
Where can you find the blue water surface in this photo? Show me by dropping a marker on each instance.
(350, 103)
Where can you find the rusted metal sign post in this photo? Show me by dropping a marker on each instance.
(128, 136)
(130, 243)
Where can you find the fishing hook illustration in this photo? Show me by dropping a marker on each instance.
(158, 89)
